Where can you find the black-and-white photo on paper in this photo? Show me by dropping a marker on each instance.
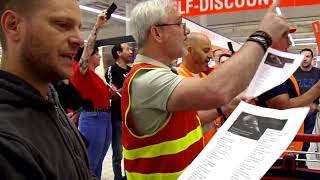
(253, 127)
(277, 61)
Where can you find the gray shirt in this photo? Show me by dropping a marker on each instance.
(150, 92)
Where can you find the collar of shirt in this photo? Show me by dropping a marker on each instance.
(144, 59)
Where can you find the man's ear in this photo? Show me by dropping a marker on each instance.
(155, 34)
(11, 24)
(118, 52)
(189, 48)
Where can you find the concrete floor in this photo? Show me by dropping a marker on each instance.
(107, 173)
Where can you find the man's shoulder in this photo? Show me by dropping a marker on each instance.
(10, 117)
(115, 68)
(150, 75)
(17, 158)
(10, 136)
(317, 70)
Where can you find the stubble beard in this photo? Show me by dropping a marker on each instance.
(38, 61)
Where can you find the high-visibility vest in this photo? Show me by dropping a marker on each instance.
(209, 129)
(297, 146)
(165, 153)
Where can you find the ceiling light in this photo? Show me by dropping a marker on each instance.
(120, 17)
(305, 39)
(99, 11)
(278, 11)
(305, 44)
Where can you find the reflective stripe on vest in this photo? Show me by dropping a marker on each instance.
(165, 148)
(165, 153)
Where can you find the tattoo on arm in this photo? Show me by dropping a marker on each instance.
(83, 64)
(88, 49)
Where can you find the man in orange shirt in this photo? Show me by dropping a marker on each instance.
(193, 65)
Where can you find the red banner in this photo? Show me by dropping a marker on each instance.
(200, 7)
(316, 30)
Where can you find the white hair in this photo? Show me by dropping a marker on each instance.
(147, 14)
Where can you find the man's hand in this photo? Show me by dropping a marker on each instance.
(74, 116)
(235, 102)
(313, 107)
(273, 24)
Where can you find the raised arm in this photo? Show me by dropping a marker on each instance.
(230, 79)
(89, 47)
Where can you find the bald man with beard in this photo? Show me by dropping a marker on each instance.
(193, 64)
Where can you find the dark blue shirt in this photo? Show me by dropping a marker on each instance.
(306, 79)
(285, 88)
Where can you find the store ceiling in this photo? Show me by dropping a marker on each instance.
(236, 26)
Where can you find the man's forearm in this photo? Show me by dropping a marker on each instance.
(210, 115)
(306, 99)
(233, 77)
(221, 86)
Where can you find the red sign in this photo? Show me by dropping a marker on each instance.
(316, 30)
(200, 7)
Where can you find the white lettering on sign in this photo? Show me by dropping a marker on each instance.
(204, 6)
(200, 6)
(239, 3)
(218, 5)
(251, 4)
(228, 4)
(189, 5)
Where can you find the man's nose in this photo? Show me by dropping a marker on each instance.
(77, 39)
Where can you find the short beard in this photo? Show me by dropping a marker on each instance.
(35, 59)
(307, 66)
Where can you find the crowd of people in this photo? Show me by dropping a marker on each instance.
(58, 117)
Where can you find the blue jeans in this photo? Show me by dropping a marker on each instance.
(116, 149)
(96, 128)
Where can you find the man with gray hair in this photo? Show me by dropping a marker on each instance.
(161, 133)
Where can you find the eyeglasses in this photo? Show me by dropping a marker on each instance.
(183, 25)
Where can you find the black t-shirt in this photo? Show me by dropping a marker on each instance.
(306, 79)
(285, 88)
(68, 96)
(116, 76)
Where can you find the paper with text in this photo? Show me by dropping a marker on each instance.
(275, 68)
(247, 145)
